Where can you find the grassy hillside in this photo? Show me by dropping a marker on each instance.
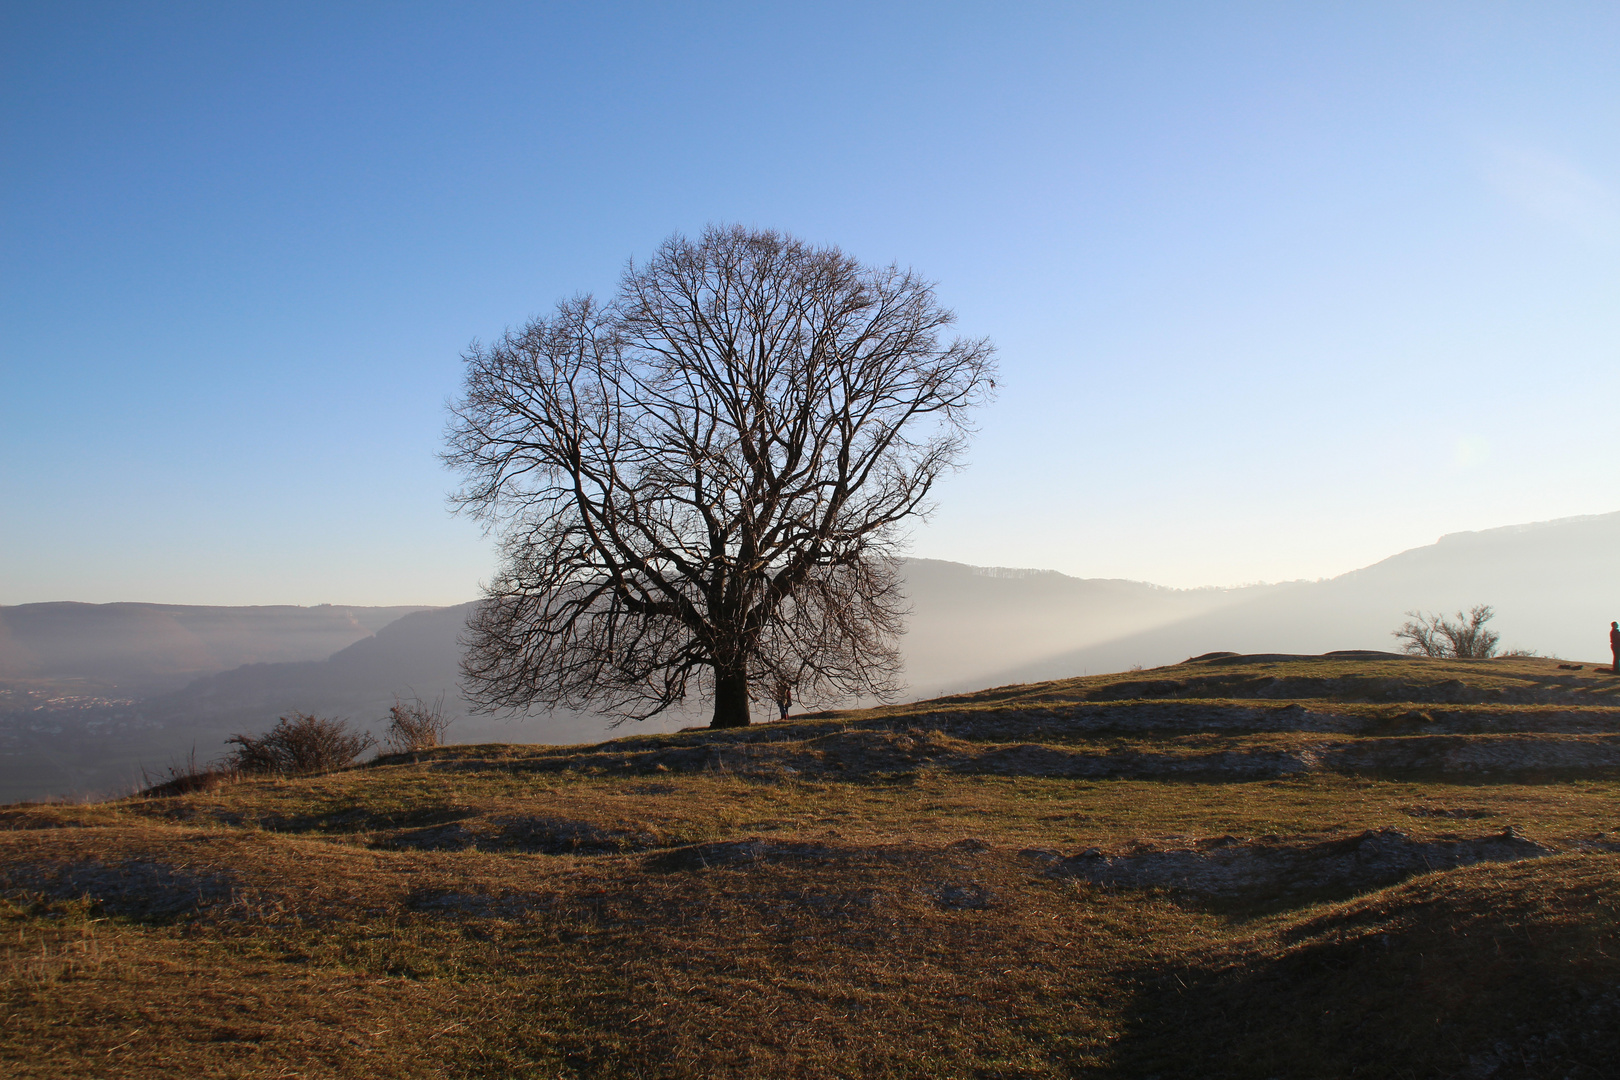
(1351, 865)
(91, 694)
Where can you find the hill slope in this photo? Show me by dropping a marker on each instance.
(1334, 866)
(1552, 584)
(966, 621)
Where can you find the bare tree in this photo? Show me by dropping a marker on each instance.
(1435, 635)
(700, 485)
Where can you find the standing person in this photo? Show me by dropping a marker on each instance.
(1614, 647)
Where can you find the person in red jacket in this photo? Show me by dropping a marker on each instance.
(1614, 646)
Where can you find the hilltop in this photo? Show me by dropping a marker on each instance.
(1246, 866)
(79, 713)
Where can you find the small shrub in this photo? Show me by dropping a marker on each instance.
(300, 743)
(184, 777)
(415, 725)
(1437, 636)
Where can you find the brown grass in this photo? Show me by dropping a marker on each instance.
(765, 904)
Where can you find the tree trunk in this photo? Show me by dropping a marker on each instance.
(730, 699)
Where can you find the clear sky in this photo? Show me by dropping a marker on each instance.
(1280, 289)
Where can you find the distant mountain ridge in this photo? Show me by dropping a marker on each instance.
(418, 653)
(141, 649)
(1555, 586)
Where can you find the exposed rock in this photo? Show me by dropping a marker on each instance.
(962, 897)
(970, 845)
(1477, 754)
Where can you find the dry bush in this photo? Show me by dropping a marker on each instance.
(415, 725)
(300, 743)
(1438, 636)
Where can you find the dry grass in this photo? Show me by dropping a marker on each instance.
(863, 895)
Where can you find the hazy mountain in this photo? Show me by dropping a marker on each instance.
(967, 623)
(418, 655)
(1555, 587)
(142, 649)
(83, 686)
(970, 623)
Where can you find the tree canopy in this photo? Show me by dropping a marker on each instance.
(701, 484)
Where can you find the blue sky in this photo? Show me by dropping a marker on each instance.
(1279, 289)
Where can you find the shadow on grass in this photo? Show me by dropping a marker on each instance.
(1490, 972)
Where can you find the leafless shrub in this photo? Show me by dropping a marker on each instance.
(1418, 636)
(300, 743)
(414, 725)
(1440, 637)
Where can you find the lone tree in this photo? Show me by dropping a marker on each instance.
(700, 485)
